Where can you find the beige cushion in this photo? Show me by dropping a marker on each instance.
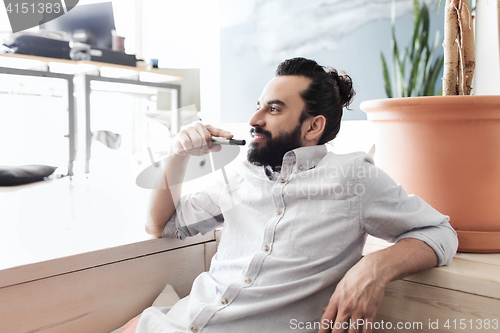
(167, 297)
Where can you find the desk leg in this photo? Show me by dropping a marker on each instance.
(88, 133)
(72, 126)
(175, 107)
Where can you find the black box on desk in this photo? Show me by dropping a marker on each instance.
(40, 46)
(112, 57)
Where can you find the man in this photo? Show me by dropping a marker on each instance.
(295, 220)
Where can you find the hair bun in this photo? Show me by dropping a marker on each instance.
(344, 83)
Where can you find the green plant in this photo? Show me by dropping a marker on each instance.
(416, 71)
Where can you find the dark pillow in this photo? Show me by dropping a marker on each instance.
(25, 174)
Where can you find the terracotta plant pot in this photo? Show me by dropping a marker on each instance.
(446, 150)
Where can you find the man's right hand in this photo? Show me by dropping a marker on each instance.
(196, 140)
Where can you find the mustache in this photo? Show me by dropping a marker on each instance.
(259, 130)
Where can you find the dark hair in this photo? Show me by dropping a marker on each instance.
(326, 95)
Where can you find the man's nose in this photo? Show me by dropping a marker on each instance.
(257, 120)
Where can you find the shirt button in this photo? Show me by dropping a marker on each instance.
(224, 301)
(278, 212)
(248, 280)
(265, 248)
(282, 180)
(301, 167)
(194, 328)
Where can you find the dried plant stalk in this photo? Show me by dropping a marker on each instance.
(450, 46)
(460, 86)
(467, 48)
(459, 50)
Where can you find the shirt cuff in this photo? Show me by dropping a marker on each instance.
(442, 239)
(170, 229)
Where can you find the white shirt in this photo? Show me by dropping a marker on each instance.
(289, 238)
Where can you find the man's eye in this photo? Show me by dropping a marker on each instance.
(274, 109)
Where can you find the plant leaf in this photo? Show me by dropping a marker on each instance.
(434, 74)
(415, 71)
(387, 79)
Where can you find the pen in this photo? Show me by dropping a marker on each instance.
(220, 141)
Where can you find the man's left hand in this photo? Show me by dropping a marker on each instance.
(358, 295)
(355, 300)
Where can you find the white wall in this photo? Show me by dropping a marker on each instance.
(487, 75)
(185, 34)
(345, 34)
(4, 21)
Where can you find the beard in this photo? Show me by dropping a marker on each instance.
(272, 152)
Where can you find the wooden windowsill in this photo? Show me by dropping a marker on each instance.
(468, 272)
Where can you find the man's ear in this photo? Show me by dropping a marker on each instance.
(315, 128)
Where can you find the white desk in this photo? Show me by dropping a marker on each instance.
(27, 65)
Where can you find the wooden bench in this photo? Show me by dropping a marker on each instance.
(461, 297)
(101, 290)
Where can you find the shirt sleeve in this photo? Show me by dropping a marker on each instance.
(195, 213)
(388, 212)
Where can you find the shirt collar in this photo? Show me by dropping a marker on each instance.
(300, 159)
(305, 158)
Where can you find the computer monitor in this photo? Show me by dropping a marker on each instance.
(96, 20)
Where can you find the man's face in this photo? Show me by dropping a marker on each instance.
(276, 127)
